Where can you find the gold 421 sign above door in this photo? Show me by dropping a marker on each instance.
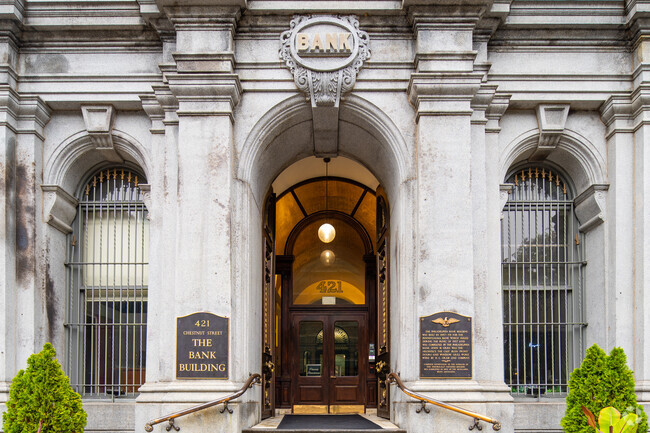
(330, 286)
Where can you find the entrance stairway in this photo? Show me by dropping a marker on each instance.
(327, 424)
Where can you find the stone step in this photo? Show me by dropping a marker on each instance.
(323, 430)
(270, 425)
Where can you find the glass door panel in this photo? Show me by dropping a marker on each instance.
(310, 339)
(346, 348)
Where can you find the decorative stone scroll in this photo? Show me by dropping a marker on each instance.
(324, 54)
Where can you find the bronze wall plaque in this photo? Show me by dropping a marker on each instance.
(202, 346)
(446, 346)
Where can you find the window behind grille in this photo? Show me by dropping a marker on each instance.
(542, 277)
(108, 273)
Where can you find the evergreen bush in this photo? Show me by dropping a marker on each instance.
(41, 395)
(599, 382)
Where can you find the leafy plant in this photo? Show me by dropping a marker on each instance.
(601, 381)
(610, 421)
(41, 399)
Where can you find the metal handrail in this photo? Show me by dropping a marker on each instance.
(254, 378)
(392, 377)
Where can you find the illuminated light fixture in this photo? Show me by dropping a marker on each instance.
(326, 232)
(327, 257)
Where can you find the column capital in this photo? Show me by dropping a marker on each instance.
(481, 102)
(616, 114)
(205, 94)
(443, 93)
(496, 110)
(26, 114)
(626, 112)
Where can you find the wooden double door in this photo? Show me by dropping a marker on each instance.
(329, 361)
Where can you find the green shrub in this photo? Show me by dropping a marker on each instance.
(599, 382)
(41, 394)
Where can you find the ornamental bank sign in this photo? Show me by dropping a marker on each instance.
(324, 54)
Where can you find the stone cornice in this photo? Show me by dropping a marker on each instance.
(204, 62)
(95, 15)
(206, 16)
(185, 3)
(12, 10)
(441, 12)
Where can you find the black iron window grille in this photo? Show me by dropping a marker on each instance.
(107, 271)
(542, 284)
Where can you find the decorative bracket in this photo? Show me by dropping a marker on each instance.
(590, 206)
(504, 191)
(145, 189)
(325, 54)
(225, 408)
(172, 426)
(423, 407)
(59, 207)
(476, 425)
(99, 124)
(551, 120)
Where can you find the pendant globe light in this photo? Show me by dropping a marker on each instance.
(327, 257)
(326, 232)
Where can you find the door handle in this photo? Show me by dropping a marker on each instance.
(332, 377)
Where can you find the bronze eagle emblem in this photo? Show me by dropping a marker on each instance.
(445, 322)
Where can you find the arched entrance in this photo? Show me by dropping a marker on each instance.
(323, 298)
(279, 139)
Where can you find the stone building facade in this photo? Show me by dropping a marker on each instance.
(162, 158)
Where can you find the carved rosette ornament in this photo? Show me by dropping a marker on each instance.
(324, 54)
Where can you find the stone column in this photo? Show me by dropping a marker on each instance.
(619, 294)
(192, 118)
(30, 315)
(27, 313)
(452, 182)
(8, 357)
(38, 310)
(640, 358)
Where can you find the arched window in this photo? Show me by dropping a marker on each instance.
(542, 276)
(107, 274)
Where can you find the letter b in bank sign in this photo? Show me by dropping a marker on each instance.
(202, 346)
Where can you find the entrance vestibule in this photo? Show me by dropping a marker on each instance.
(324, 293)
